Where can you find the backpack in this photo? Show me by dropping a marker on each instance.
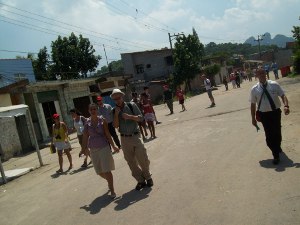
(129, 105)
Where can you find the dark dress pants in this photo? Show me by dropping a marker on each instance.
(272, 125)
(113, 134)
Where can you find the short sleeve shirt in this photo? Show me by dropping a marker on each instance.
(106, 112)
(207, 84)
(275, 92)
(129, 127)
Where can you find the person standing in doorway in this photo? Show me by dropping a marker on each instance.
(126, 116)
(265, 94)
(208, 88)
(96, 139)
(106, 111)
(61, 141)
(168, 98)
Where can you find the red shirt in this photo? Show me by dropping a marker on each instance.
(179, 94)
(147, 106)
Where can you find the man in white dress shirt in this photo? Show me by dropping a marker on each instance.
(265, 94)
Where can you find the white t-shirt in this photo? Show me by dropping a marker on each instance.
(275, 92)
(79, 126)
(207, 84)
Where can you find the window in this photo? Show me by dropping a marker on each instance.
(169, 60)
(139, 68)
(20, 76)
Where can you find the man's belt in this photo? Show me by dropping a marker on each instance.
(129, 135)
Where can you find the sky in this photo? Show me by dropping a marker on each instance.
(123, 26)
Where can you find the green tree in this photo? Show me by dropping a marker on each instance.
(112, 66)
(210, 71)
(187, 55)
(73, 57)
(41, 65)
(296, 58)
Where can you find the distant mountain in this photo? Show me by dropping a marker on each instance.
(279, 40)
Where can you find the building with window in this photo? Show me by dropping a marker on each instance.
(148, 65)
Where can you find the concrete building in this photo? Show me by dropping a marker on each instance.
(148, 65)
(49, 97)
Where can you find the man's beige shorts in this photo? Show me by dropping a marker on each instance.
(102, 160)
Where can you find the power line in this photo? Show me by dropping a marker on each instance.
(45, 30)
(139, 10)
(107, 39)
(134, 19)
(114, 39)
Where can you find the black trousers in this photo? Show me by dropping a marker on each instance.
(113, 134)
(272, 126)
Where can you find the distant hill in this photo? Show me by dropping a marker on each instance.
(279, 40)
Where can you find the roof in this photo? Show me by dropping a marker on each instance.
(14, 110)
(150, 51)
(12, 70)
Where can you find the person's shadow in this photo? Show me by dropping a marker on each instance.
(97, 204)
(80, 170)
(131, 197)
(285, 162)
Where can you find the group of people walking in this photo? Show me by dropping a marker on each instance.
(99, 141)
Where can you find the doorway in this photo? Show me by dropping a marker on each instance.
(49, 110)
(23, 133)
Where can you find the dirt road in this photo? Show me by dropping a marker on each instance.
(209, 166)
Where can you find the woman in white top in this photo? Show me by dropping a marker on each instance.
(78, 125)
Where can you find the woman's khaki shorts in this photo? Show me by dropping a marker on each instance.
(102, 159)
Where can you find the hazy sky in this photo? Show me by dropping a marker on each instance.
(132, 25)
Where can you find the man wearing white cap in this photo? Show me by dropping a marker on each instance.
(126, 116)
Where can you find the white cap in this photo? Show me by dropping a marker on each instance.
(116, 91)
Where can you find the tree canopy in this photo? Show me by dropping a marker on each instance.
(296, 59)
(112, 66)
(187, 56)
(73, 56)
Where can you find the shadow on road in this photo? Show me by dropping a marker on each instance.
(285, 162)
(56, 175)
(79, 170)
(99, 203)
(131, 197)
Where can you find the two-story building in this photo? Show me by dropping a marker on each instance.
(148, 65)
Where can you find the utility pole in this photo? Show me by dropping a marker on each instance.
(171, 36)
(105, 55)
(259, 39)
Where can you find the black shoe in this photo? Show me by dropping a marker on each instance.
(276, 161)
(150, 182)
(141, 185)
(158, 122)
(84, 165)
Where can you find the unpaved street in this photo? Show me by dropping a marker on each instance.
(209, 166)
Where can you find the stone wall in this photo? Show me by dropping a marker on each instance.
(9, 139)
